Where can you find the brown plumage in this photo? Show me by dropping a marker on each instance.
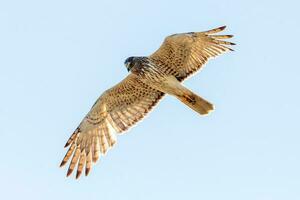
(122, 106)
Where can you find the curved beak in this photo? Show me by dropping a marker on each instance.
(128, 67)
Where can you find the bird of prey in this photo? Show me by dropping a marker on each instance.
(150, 78)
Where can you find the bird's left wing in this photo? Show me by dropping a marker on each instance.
(183, 54)
(116, 110)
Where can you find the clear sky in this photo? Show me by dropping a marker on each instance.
(57, 57)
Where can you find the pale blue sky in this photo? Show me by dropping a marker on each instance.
(57, 57)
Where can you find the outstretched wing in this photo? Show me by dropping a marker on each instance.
(183, 54)
(116, 110)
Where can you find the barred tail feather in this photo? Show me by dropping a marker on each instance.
(196, 103)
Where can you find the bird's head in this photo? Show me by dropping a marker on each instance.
(129, 63)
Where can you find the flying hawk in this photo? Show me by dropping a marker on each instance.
(150, 78)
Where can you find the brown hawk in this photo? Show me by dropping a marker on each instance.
(150, 78)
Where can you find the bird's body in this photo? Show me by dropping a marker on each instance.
(150, 78)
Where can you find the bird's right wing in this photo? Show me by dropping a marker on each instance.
(117, 110)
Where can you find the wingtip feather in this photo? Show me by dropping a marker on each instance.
(87, 171)
(215, 30)
(67, 144)
(63, 163)
(223, 27)
(78, 174)
(69, 172)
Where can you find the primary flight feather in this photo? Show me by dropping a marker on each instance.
(150, 78)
